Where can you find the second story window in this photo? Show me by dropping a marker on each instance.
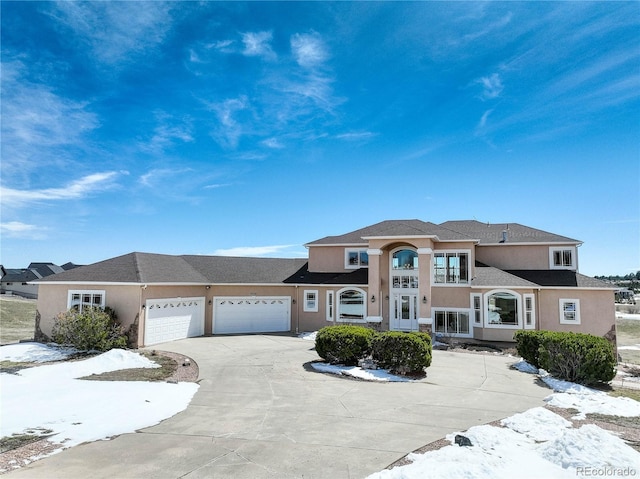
(356, 258)
(562, 258)
(451, 267)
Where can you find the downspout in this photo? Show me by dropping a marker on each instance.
(297, 312)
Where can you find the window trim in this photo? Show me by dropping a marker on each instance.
(310, 306)
(458, 252)
(81, 292)
(531, 310)
(574, 257)
(477, 311)
(359, 251)
(519, 316)
(364, 306)
(330, 306)
(561, 304)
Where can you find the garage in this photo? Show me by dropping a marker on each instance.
(252, 314)
(169, 319)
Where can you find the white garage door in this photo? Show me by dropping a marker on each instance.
(253, 314)
(169, 319)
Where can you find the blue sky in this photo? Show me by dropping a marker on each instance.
(253, 128)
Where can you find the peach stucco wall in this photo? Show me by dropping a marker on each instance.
(506, 256)
(328, 259)
(597, 310)
(52, 300)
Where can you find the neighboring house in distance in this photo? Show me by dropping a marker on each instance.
(18, 281)
(461, 279)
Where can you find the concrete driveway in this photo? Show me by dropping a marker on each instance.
(260, 414)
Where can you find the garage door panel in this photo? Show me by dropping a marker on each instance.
(169, 319)
(259, 314)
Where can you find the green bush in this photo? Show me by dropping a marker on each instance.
(91, 329)
(576, 357)
(402, 353)
(344, 344)
(528, 345)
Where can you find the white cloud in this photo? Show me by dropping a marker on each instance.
(17, 229)
(273, 143)
(259, 251)
(308, 49)
(115, 31)
(492, 86)
(38, 126)
(74, 190)
(168, 131)
(230, 129)
(483, 119)
(154, 176)
(355, 135)
(258, 44)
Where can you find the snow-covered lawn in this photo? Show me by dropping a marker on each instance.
(51, 397)
(536, 443)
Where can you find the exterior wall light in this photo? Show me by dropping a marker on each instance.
(424, 299)
(373, 298)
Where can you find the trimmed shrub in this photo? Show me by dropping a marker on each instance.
(402, 353)
(344, 344)
(576, 357)
(528, 345)
(91, 329)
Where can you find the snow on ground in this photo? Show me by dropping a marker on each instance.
(52, 397)
(620, 315)
(357, 372)
(536, 443)
(35, 353)
(308, 336)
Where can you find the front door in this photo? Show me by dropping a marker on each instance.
(404, 312)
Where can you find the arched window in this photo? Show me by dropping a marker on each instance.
(351, 305)
(503, 308)
(405, 259)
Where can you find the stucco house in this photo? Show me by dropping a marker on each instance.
(461, 279)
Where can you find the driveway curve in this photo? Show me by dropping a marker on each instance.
(260, 414)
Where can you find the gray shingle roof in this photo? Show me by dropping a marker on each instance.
(189, 269)
(516, 233)
(392, 228)
(489, 276)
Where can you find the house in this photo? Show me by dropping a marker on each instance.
(19, 281)
(461, 279)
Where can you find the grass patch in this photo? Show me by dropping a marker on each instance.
(632, 422)
(17, 319)
(627, 393)
(167, 367)
(12, 368)
(15, 441)
(628, 334)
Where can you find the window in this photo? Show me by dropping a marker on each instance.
(569, 311)
(503, 309)
(451, 267)
(351, 305)
(476, 305)
(562, 258)
(454, 322)
(529, 311)
(356, 258)
(311, 301)
(330, 306)
(80, 300)
(405, 259)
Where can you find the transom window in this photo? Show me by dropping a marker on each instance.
(356, 258)
(562, 258)
(83, 299)
(351, 305)
(405, 259)
(451, 267)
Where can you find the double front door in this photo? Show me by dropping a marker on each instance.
(404, 312)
